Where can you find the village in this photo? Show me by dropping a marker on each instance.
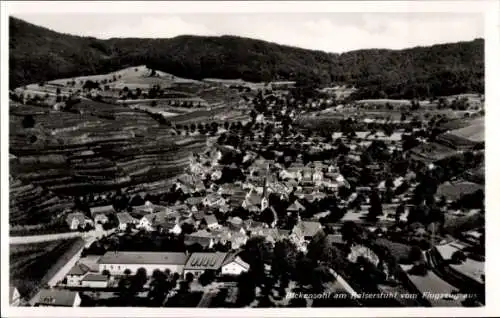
(272, 206)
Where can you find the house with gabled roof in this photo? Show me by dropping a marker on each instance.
(101, 219)
(252, 225)
(198, 263)
(234, 266)
(165, 221)
(304, 231)
(77, 220)
(95, 280)
(149, 208)
(194, 201)
(295, 207)
(211, 222)
(213, 200)
(124, 219)
(105, 209)
(76, 274)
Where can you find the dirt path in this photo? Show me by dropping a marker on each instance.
(58, 236)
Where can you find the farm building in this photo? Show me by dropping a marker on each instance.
(124, 219)
(117, 262)
(76, 274)
(95, 281)
(198, 263)
(234, 266)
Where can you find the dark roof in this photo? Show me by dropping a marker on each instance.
(308, 228)
(57, 297)
(334, 239)
(202, 240)
(296, 206)
(79, 270)
(455, 190)
(199, 215)
(210, 219)
(92, 277)
(170, 258)
(194, 200)
(206, 261)
(102, 209)
(125, 217)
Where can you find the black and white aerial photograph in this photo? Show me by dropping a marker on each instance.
(245, 159)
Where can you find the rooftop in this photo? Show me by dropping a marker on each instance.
(125, 217)
(102, 209)
(206, 260)
(92, 277)
(79, 270)
(164, 258)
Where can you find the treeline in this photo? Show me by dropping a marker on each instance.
(38, 54)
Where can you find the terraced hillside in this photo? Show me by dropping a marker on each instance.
(30, 204)
(96, 147)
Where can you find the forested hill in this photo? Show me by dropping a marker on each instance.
(38, 54)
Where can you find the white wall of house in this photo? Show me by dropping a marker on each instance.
(145, 224)
(73, 280)
(176, 229)
(233, 268)
(122, 226)
(94, 284)
(118, 269)
(214, 226)
(74, 224)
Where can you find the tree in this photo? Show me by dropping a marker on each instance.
(246, 289)
(352, 232)
(124, 288)
(415, 254)
(319, 276)
(28, 121)
(375, 206)
(458, 257)
(284, 259)
(187, 228)
(323, 252)
(206, 277)
(159, 287)
(419, 269)
(139, 279)
(257, 252)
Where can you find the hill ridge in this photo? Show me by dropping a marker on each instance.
(423, 71)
